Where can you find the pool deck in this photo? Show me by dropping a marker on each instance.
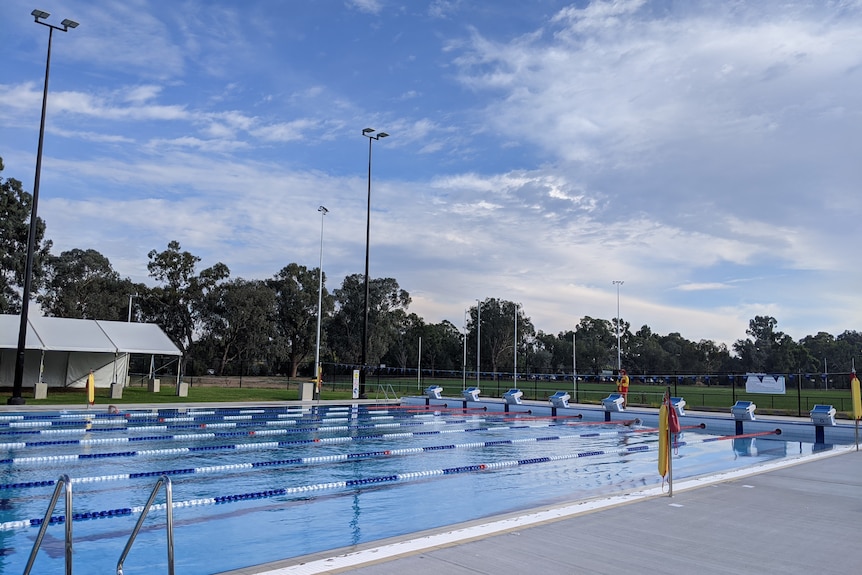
(790, 517)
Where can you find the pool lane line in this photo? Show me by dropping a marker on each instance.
(259, 446)
(137, 428)
(313, 460)
(204, 436)
(86, 426)
(155, 415)
(201, 436)
(358, 483)
(253, 446)
(682, 428)
(352, 483)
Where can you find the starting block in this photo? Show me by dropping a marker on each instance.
(560, 399)
(743, 411)
(471, 393)
(613, 402)
(823, 415)
(434, 392)
(678, 404)
(513, 396)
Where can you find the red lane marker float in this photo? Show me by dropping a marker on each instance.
(446, 409)
(532, 417)
(654, 429)
(745, 435)
(626, 422)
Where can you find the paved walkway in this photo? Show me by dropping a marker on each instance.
(798, 518)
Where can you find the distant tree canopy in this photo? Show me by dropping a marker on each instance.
(238, 326)
(15, 207)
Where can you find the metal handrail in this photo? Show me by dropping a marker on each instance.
(164, 479)
(63, 481)
(380, 388)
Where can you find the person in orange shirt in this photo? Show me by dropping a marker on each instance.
(623, 386)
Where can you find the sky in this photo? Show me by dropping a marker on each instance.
(704, 153)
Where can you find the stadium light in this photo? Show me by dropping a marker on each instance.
(17, 398)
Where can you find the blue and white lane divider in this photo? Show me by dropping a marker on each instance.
(222, 425)
(131, 418)
(316, 460)
(352, 483)
(263, 445)
(215, 435)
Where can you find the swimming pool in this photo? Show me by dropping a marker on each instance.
(253, 485)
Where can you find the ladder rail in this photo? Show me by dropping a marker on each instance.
(166, 481)
(62, 482)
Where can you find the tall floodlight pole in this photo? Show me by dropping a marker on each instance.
(17, 385)
(131, 297)
(478, 339)
(323, 211)
(368, 133)
(515, 348)
(464, 365)
(575, 364)
(618, 283)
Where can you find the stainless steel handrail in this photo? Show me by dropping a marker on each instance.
(63, 481)
(164, 479)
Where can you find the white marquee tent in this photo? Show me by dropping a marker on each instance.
(61, 352)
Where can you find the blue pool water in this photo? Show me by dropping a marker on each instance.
(261, 484)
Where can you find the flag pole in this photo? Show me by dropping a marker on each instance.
(669, 448)
(856, 400)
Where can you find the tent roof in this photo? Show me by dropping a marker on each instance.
(64, 334)
(145, 338)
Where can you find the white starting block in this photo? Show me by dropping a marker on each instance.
(743, 411)
(434, 392)
(560, 399)
(471, 393)
(613, 402)
(678, 404)
(823, 415)
(513, 396)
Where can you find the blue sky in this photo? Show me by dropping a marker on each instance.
(706, 153)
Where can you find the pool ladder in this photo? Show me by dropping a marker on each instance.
(166, 481)
(64, 484)
(385, 390)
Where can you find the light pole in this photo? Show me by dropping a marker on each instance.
(131, 297)
(515, 348)
(478, 338)
(464, 365)
(618, 283)
(323, 211)
(575, 363)
(16, 398)
(367, 132)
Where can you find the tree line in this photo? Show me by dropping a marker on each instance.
(235, 326)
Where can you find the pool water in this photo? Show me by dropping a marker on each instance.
(252, 486)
